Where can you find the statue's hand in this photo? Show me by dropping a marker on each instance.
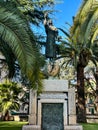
(46, 15)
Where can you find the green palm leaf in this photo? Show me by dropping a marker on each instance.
(16, 33)
(91, 23)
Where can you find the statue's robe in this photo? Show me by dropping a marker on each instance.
(50, 51)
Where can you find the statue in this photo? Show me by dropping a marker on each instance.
(52, 34)
(52, 48)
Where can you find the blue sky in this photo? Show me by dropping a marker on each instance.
(66, 10)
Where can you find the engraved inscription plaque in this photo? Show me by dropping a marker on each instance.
(52, 116)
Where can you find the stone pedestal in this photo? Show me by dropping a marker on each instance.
(31, 127)
(55, 92)
(32, 107)
(73, 127)
(71, 106)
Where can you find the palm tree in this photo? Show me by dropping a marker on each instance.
(79, 56)
(9, 97)
(84, 32)
(80, 48)
(17, 42)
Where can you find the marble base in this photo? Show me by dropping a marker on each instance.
(67, 127)
(31, 127)
(73, 127)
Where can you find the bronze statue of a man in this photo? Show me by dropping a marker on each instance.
(52, 34)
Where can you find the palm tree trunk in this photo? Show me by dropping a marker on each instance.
(96, 78)
(6, 116)
(96, 100)
(81, 110)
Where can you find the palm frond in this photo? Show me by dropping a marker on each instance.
(91, 23)
(16, 33)
(87, 5)
(66, 33)
(95, 34)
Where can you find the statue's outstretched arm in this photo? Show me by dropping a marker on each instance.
(46, 18)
